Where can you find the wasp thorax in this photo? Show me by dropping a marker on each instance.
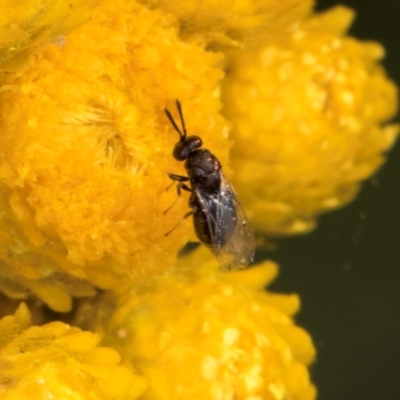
(184, 148)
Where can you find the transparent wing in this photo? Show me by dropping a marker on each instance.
(231, 234)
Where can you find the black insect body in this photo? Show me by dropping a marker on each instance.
(219, 220)
(204, 172)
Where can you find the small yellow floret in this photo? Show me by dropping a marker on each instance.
(198, 334)
(308, 121)
(85, 148)
(56, 361)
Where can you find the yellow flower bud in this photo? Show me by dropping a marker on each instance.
(196, 333)
(309, 123)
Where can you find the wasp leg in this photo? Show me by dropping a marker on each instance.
(180, 179)
(171, 206)
(188, 214)
(176, 178)
(180, 186)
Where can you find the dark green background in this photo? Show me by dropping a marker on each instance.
(347, 271)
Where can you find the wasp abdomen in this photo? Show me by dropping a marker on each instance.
(215, 227)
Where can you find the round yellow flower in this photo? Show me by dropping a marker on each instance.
(195, 333)
(85, 148)
(56, 361)
(309, 123)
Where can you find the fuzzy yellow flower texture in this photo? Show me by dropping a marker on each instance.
(90, 204)
(295, 111)
(310, 122)
(58, 361)
(197, 333)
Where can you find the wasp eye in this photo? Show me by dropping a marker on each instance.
(182, 150)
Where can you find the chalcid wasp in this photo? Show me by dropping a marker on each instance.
(219, 220)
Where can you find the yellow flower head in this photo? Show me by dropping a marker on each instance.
(307, 119)
(85, 148)
(56, 361)
(199, 334)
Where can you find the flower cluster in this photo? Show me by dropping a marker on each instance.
(296, 112)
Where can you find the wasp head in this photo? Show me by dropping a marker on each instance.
(186, 144)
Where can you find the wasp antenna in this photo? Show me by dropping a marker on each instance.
(179, 107)
(171, 119)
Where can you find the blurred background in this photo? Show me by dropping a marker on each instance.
(347, 271)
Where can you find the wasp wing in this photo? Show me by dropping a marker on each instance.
(232, 238)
